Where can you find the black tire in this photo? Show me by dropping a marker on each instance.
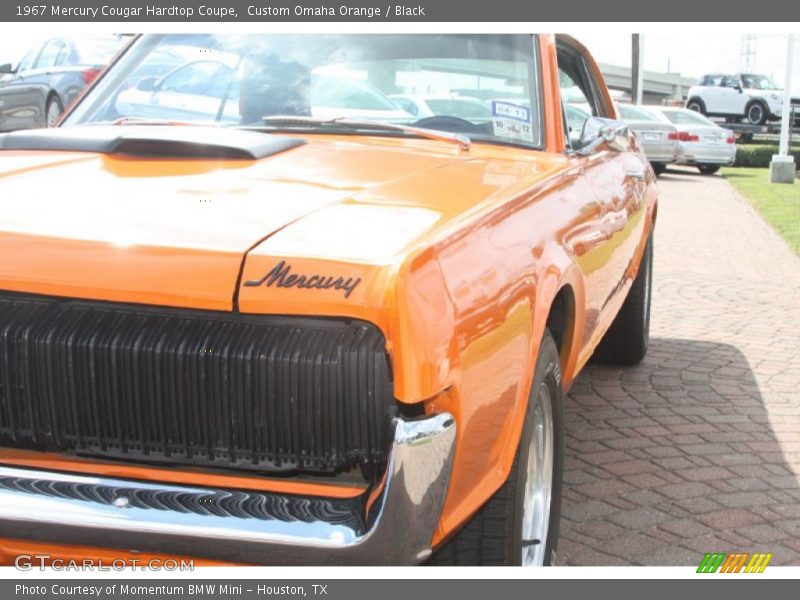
(658, 168)
(626, 341)
(493, 536)
(756, 113)
(708, 169)
(696, 105)
(53, 111)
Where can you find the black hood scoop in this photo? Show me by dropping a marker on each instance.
(153, 140)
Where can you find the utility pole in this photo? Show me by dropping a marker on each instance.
(748, 53)
(782, 167)
(637, 70)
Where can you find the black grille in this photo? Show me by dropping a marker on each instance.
(194, 388)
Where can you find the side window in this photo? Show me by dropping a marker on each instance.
(730, 82)
(63, 55)
(50, 53)
(576, 108)
(579, 93)
(26, 64)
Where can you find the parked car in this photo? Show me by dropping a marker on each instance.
(754, 98)
(34, 92)
(429, 106)
(577, 115)
(304, 340)
(209, 90)
(658, 139)
(701, 142)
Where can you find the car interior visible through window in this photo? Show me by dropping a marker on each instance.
(484, 87)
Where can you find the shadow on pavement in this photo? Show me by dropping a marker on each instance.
(674, 458)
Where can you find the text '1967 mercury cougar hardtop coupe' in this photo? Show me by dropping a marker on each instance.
(252, 311)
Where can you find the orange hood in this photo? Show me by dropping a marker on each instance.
(176, 232)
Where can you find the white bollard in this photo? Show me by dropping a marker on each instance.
(782, 167)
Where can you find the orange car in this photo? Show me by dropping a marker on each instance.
(254, 312)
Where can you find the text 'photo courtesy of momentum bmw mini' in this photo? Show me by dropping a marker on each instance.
(314, 299)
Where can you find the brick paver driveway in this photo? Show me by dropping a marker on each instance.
(697, 449)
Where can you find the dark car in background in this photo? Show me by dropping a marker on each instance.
(35, 91)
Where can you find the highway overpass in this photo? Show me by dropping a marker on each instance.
(658, 87)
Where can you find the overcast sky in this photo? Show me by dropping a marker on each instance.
(690, 54)
(694, 55)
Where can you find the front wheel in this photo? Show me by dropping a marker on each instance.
(697, 106)
(519, 524)
(708, 169)
(756, 113)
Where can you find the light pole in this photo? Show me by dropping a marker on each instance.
(782, 167)
(637, 70)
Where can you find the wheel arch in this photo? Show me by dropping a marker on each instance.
(757, 100)
(53, 94)
(697, 99)
(562, 312)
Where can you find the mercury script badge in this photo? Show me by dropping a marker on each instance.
(282, 277)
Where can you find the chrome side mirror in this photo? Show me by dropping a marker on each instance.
(601, 133)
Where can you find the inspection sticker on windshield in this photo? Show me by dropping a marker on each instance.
(511, 121)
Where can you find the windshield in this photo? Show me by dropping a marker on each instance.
(688, 117)
(758, 82)
(629, 113)
(482, 86)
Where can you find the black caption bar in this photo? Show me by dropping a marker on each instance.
(470, 11)
(731, 588)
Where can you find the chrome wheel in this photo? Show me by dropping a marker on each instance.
(53, 112)
(538, 481)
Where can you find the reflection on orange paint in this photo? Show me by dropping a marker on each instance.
(477, 245)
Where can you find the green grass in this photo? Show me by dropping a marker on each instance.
(777, 203)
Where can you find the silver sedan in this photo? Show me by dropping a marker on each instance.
(702, 143)
(658, 139)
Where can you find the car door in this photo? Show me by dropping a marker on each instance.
(613, 222)
(711, 93)
(732, 100)
(53, 51)
(22, 100)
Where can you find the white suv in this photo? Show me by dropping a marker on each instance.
(754, 98)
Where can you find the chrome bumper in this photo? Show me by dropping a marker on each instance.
(248, 527)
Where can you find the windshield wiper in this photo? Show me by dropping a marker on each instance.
(288, 121)
(148, 121)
